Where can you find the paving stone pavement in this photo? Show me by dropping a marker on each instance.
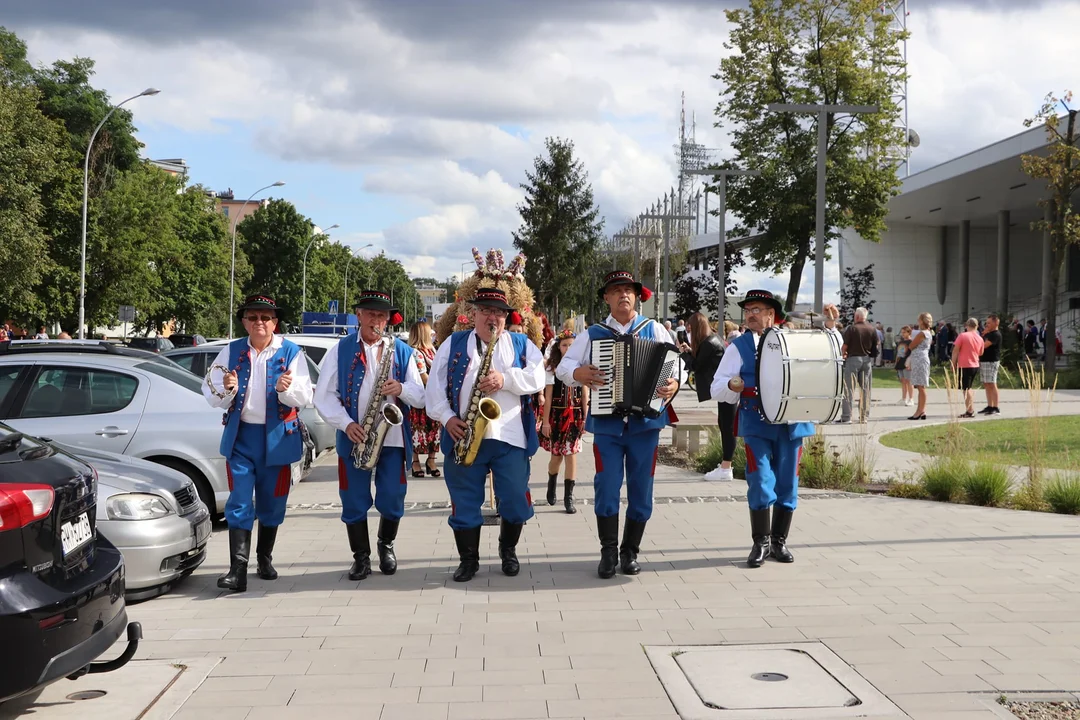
(938, 606)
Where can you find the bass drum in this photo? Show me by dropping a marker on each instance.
(800, 376)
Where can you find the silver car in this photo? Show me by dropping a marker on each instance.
(105, 397)
(153, 515)
(197, 360)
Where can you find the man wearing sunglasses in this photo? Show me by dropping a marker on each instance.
(773, 451)
(267, 380)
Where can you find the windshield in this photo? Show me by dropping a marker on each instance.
(172, 371)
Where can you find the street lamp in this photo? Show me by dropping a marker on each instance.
(232, 272)
(85, 201)
(463, 271)
(352, 256)
(315, 233)
(823, 112)
(722, 174)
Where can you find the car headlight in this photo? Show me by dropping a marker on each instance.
(136, 506)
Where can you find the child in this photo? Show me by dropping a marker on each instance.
(563, 423)
(907, 392)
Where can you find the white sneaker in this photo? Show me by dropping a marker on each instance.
(713, 475)
(910, 402)
(725, 474)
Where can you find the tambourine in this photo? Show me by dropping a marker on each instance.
(222, 393)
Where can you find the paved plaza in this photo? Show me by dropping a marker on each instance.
(939, 607)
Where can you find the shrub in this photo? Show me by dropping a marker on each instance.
(1063, 495)
(712, 454)
(901, 489)
(1029, 497)
(826, 468)
(987, 484)
(944, 477)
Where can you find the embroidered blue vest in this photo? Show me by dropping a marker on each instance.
(350, 376)
(611, 424)
(458, 364)
(751, 423)
(284, 444)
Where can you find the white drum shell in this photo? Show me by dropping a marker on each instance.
(800, 376)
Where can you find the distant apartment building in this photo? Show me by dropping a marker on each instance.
(430, 295)
(173, 166)
(235, 210)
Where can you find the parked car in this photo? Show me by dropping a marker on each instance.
(125, 401)
(153, 515)
(180, 340)
(61, 582)
(315, 345)
(155, 344)
(197, 360)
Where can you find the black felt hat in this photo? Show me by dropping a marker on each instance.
(374, 300)
(491, 297)
(622, 277)
(260, 302)
(764, 296)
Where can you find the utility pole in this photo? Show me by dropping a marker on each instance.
(667, 218)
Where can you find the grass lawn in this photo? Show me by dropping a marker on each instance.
(886, 378)
(999, 441)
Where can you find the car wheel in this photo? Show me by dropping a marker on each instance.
(202, 485)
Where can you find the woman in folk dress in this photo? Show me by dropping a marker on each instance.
(563, 423)
(425, 431)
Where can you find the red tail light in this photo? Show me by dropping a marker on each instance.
(22, 504)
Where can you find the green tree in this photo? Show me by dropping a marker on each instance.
(388, 275)
(694, 292)
(857, 292)
(273, 238)
(812, 52)
(28, 146)
(1060, 168)
(560, 232)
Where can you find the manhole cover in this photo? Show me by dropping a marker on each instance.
(729, 678)
(87, 695)
(792, 681)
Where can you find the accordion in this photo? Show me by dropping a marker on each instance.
(636, 368)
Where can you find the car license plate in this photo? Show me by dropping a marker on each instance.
(202, 532)
(73, 535)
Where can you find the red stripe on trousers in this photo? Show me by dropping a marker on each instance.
(284, 481)
(228, 474)
(655, 455)
(798, 462)
(597, 459)
(403, 480)
(751, 461)
(528, 497)
(342, 475)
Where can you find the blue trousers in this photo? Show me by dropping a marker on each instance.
(250, 477)
(510, 467)
(354, 487)
(772, 471)
(637, 455)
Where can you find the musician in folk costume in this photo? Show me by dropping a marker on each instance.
(619, 443)
(266, 380)
(773, 451)
(514, 372)
(365, 384)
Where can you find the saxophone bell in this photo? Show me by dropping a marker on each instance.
(389, 416)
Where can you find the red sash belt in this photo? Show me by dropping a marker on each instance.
(749, 392)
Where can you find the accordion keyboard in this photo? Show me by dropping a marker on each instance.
(602, 400)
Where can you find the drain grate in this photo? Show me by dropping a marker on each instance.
(794, 681)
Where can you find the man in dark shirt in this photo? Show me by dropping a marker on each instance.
(1031, 340)
(989, 363)
(860, 346)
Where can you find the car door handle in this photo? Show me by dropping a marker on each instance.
(111, 430)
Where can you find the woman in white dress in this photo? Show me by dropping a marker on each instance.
(918, 362)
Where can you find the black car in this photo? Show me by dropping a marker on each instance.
(153, 344)
(61, 584)
(179, 340)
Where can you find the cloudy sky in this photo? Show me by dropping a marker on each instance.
(411, 122)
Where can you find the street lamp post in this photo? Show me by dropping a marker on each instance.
(722, 175)
(85, 202)
(352, 256)
(232, 272)
(463, 271)
(314, 237)
(823, 112)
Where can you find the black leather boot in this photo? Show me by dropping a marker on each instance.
(385, 546)
(468, 545)
(568, 497)
(607, 528)
(631, 546)
(264, 552)
(781, 524)
(508, 540)
(759, 529)
(360, 545)
(553, 480)
(239, 551)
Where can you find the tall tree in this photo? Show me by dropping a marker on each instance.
(560, 232)
(1060, 168)
(811, 52)
(28, 146)
(698, 291)
(273, 239)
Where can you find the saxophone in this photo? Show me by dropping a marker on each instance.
(482, 410)
(379, 417)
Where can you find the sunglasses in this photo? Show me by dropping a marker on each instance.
(259, 318)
